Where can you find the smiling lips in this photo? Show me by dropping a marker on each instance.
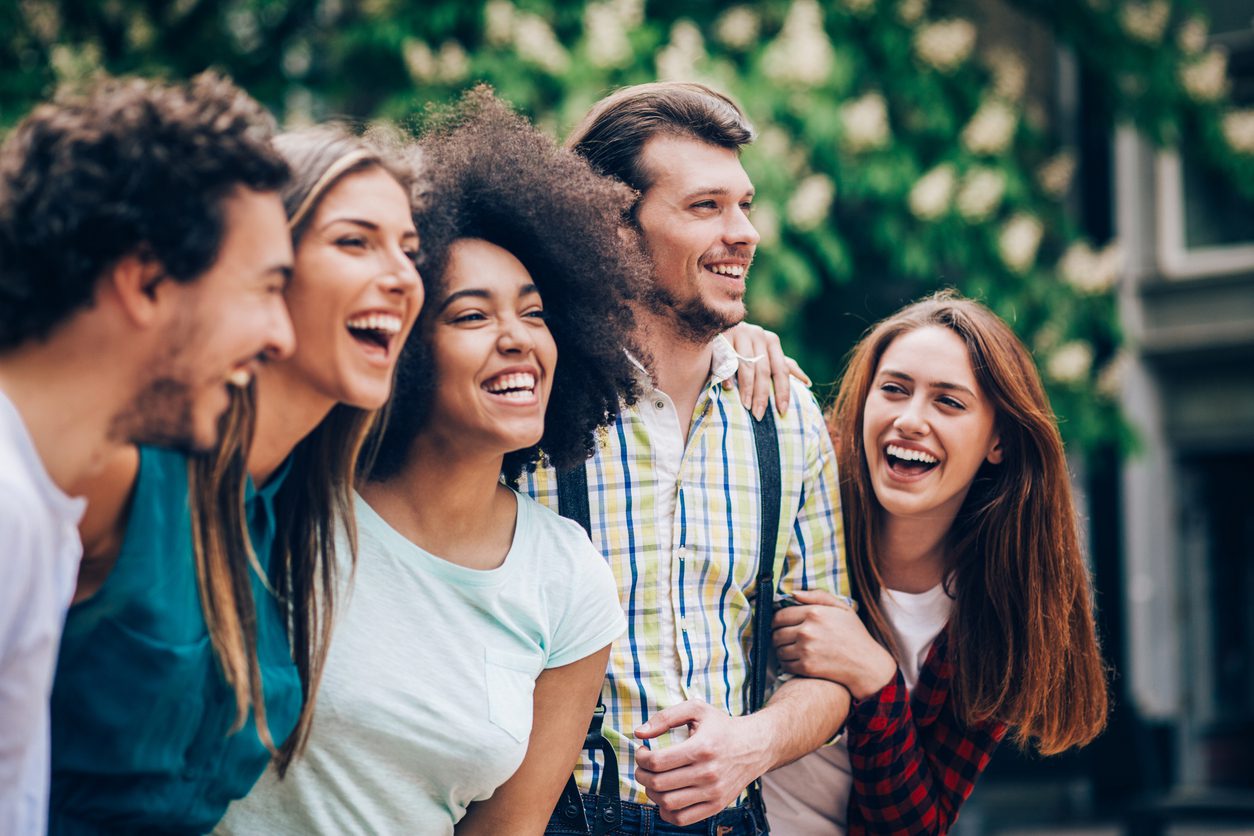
(908, 461)
(731, 271)
(375, 330)
(514, 386)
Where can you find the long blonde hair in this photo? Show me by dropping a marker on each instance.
(1022, 633)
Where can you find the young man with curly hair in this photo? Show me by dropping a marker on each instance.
(143, 256)
(676, 496)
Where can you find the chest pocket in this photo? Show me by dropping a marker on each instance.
(510, 680)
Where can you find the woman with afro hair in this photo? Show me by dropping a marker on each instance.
(470, 656)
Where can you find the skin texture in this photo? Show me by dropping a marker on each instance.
(925, 396)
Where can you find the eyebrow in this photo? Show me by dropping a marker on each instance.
(284, 270)
(365, 224)
(717, 191)
(480, 293)
(936, 384)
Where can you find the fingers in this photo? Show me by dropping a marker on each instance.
(817, 596)
(680, 755)
(677, 715)
(746, 379)
(779, 372)
(797, 372)
(788, 617)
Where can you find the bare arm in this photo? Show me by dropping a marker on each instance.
(103, 527)
(697, 778)
(562, 706)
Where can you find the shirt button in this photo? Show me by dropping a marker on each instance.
(660, 404)
(681, 552)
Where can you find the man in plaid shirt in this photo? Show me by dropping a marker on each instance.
(674, 494)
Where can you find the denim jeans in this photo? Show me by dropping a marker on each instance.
(644, 820)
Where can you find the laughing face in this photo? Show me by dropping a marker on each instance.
(493, 353)
(695, 221)
(355, 291)
(927, 427)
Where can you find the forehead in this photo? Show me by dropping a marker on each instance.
(255, 232)
(369, 194)
(930, 354)
(682, 164)
(477, 264)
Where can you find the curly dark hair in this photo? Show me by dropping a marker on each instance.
(132, 165)
(495, 177)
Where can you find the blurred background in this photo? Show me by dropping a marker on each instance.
(1085, 167)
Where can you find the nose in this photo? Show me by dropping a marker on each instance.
(281, 336)
(912, 421)
(739, 230)
(514, 336)
(399, 273)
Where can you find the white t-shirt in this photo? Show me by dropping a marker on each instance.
(810, 796)
(426, 699)
(39, 556)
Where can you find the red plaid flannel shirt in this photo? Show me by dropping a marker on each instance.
(914, 762)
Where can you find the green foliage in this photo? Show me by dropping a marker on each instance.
(894, 157)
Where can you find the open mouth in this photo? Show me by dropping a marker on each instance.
(375, 332)
(728, 271)
(907, 462)
(518, 387)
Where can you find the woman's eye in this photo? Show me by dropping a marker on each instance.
(351, 241)
(412, 255)
(538, 313)
(893, 388)
(470, 316)
(746, 207)
(953, 403)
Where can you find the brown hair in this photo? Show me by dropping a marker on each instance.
(613, 134)
(1022, 633)
(316, 495)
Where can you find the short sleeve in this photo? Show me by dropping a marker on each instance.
(591, 616)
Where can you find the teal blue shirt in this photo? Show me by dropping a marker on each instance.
(141, 714)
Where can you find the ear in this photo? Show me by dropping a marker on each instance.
(133, 281)
(994, 451)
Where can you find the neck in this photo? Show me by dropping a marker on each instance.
(681, 367)
(48, 382)
(287, 411)
(911, 552)
(468, 520)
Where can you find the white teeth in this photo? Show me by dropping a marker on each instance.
(240, 378)
(385, 323)
(736, 271)
(516, 385)
(910, 455)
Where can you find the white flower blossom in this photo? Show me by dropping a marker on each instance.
(1070, 362)
(911, 12)
(859, 8)
(1145, 21)
(606, 35)
(454, 63)
(932, 193)
(945, 44)
(498, 22)
(1018, 242)
(1089, 271)
(811, 202)
(43, 18)
(298, 107)
(738, 27)
(1010, 72)
(1193, 36)
(1056, 173)
(1206, 79)
(766, 221)
(420, 60)
(297, 59)
(981, 194)
(75, 63)
(1238, 129)
(630, 12)
(678, 60)
(865, 123)
(802, 53)
(537, 44)
(991, 129)
(1112, 375)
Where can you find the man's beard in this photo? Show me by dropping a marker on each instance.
(693, 320)
(162, 415)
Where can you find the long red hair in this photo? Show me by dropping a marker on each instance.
(1022, 634)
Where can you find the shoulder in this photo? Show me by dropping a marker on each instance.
(559, 537)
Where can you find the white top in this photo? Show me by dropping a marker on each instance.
(39, 556)
(426, 700)
(810, 796)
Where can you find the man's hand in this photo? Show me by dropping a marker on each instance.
(763, 365)
(826, 640)
(704, 774)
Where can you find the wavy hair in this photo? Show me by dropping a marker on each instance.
(1022, 630)
(316, 494)
(495, 177)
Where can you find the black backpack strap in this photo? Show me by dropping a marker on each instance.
(766, 440)
(572, 503)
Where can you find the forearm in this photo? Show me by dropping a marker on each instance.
(800, 716)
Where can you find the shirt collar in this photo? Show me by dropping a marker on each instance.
(724, 362)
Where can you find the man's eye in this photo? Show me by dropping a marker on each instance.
(746, 207)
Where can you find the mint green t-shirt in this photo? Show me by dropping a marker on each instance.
(426, 698)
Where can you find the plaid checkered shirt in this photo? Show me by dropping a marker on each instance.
(678, 519)
(913, 761)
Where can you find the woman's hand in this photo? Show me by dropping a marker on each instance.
(763, 364)
(826, 640)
